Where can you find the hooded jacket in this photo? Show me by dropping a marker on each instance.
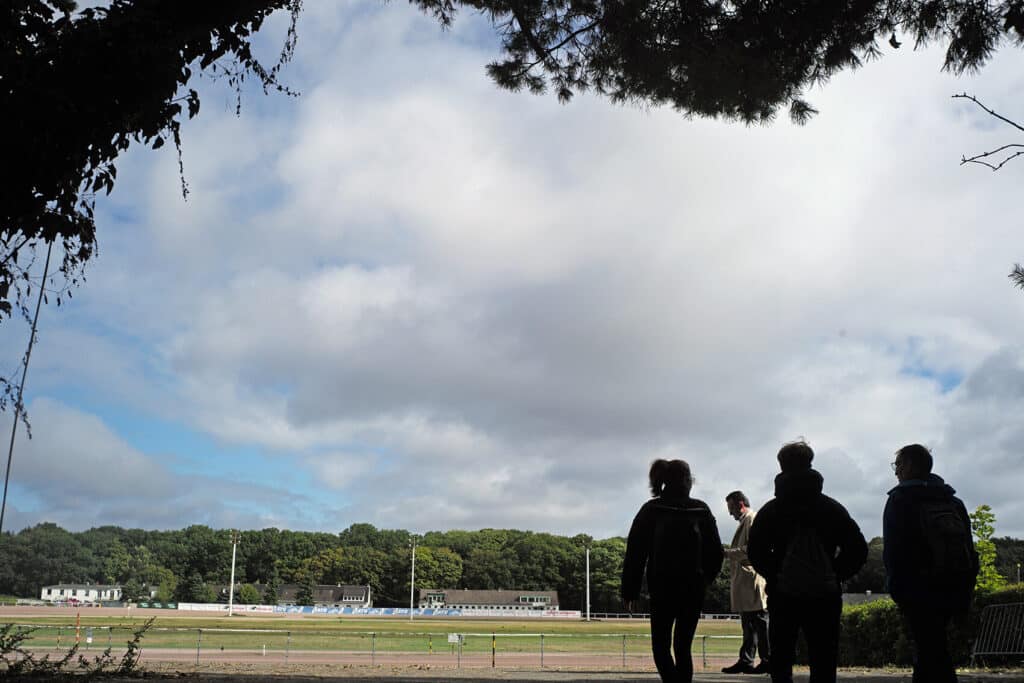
(799, 501)
(649, 549)
(903, 551)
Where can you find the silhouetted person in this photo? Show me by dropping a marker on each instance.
(930, 560)
(804, 544)
(675, 538)
(746, 592)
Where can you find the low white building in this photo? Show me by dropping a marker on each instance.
(80, 592)
(509, 600)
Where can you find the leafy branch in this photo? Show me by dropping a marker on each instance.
(20, 663)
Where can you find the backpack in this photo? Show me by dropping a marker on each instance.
(948, 544)
(806, 569)
(676, 547)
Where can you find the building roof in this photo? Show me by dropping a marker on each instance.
(324, 593)
(500, 597)
(89, 586)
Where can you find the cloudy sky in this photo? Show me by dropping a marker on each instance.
(411, 299)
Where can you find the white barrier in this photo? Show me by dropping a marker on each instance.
(383, 611)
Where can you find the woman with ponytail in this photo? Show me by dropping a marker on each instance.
(674, 540)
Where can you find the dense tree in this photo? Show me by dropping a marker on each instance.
(361, 565)
(305, 596)
(194, 589)
(131, 591)
(257, 553)
(270, 592)
(1009, 557)
(716, 599)
(46, 554)
(489, 558)
(606, 559)
(488, 568)
(294, 547)
(369, 536)
(436, 568)
(871, 576)
(321, 568)
(248, 595)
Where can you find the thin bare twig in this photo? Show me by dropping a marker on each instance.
(979, 158)
(972, 98)
(995, 167)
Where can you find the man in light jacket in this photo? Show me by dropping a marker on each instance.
(746, 592)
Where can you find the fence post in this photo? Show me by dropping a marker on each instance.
(542, 650)
(494, 647)
(704, 650)
(430, 644)
(288, 647)
(110, 631)
(58, 637)
(199, 642)
(373, 649)
(459, 664)
(623, 651)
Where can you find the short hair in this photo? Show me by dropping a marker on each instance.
(918, 459)
(738, 496)
(795, 455)
(674, 473)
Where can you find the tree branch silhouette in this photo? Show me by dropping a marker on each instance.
(991, 160)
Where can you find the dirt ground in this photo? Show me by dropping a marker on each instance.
(310, 667)
(334, 674)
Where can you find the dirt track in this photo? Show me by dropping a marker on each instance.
(249, 666)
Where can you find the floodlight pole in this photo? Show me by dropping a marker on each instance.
(412, 580)
(588, 584)
(231, 588)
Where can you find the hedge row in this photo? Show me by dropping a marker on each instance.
(874, 634)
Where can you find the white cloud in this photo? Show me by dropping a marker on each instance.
(455, 306)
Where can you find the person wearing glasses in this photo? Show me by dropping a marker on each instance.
(931, 563)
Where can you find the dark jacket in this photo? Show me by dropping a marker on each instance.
(676, 565)
(904, 552)
(799, 501)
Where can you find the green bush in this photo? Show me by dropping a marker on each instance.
(1011, 593)
(874, 634)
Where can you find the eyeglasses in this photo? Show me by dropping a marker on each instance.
(895, 465)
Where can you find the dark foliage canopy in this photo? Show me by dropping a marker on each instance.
(736, 59)
(77, 87)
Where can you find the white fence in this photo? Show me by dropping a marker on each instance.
(382, 611)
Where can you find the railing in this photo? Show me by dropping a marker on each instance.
(1000, 632)
(198, 646)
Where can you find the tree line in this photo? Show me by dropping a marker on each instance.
(187, 564)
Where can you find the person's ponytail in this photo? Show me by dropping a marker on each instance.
(657, 476)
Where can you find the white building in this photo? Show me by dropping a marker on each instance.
(80, 592)
(509, 600)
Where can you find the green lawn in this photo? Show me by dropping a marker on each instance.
(379, 635)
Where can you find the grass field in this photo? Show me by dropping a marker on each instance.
(372, 635)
